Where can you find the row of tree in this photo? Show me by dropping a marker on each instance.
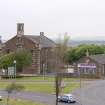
(75, 53)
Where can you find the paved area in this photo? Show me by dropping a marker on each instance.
(92, 94)
(47, 99)
(42, 98)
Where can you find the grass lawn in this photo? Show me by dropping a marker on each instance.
(19, 102)
(71, 86)
(41, 87)
(41, 78)
(37, 84)
(37, 78)
(40, 84)
(50, 79)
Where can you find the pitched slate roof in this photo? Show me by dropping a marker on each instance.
(41, 39)
(100, 58)
(33, 38)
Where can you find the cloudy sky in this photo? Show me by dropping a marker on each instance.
(81, 19)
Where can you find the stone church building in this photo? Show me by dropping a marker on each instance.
(41, 48)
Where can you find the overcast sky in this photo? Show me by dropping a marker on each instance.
(81, 19)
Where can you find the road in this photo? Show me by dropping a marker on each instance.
(92, 94)
(47, 99)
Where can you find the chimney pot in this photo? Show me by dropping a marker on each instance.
(41, 33)
(20, 29)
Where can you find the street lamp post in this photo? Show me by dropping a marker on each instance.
(14, 67)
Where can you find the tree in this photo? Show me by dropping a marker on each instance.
(71, 55)
(76, 53)
(11, 88)
(22, 56)
(6, 60)
(61, 49)
(60, 52)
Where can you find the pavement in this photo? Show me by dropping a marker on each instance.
(47, 99)
(91, 94)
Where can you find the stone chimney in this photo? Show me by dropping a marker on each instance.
(20, 29)
(41, 33)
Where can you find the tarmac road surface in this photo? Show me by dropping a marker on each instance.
(47, 99)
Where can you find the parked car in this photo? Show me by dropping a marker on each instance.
(69, 98)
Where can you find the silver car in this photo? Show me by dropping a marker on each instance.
(69, 98)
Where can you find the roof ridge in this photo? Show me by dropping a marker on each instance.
(47, 38)
(98, 58)
(42, 40)
(31, 35)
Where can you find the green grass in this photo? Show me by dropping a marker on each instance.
(37, 84)
(37, 78)
(70, 87)
(19, 102)
(37, 87)
(41, 87)
(51, 79)
(4, 84)
(41, 78)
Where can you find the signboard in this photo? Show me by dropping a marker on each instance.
(85, 65)
(70, 70)
(11, 71)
